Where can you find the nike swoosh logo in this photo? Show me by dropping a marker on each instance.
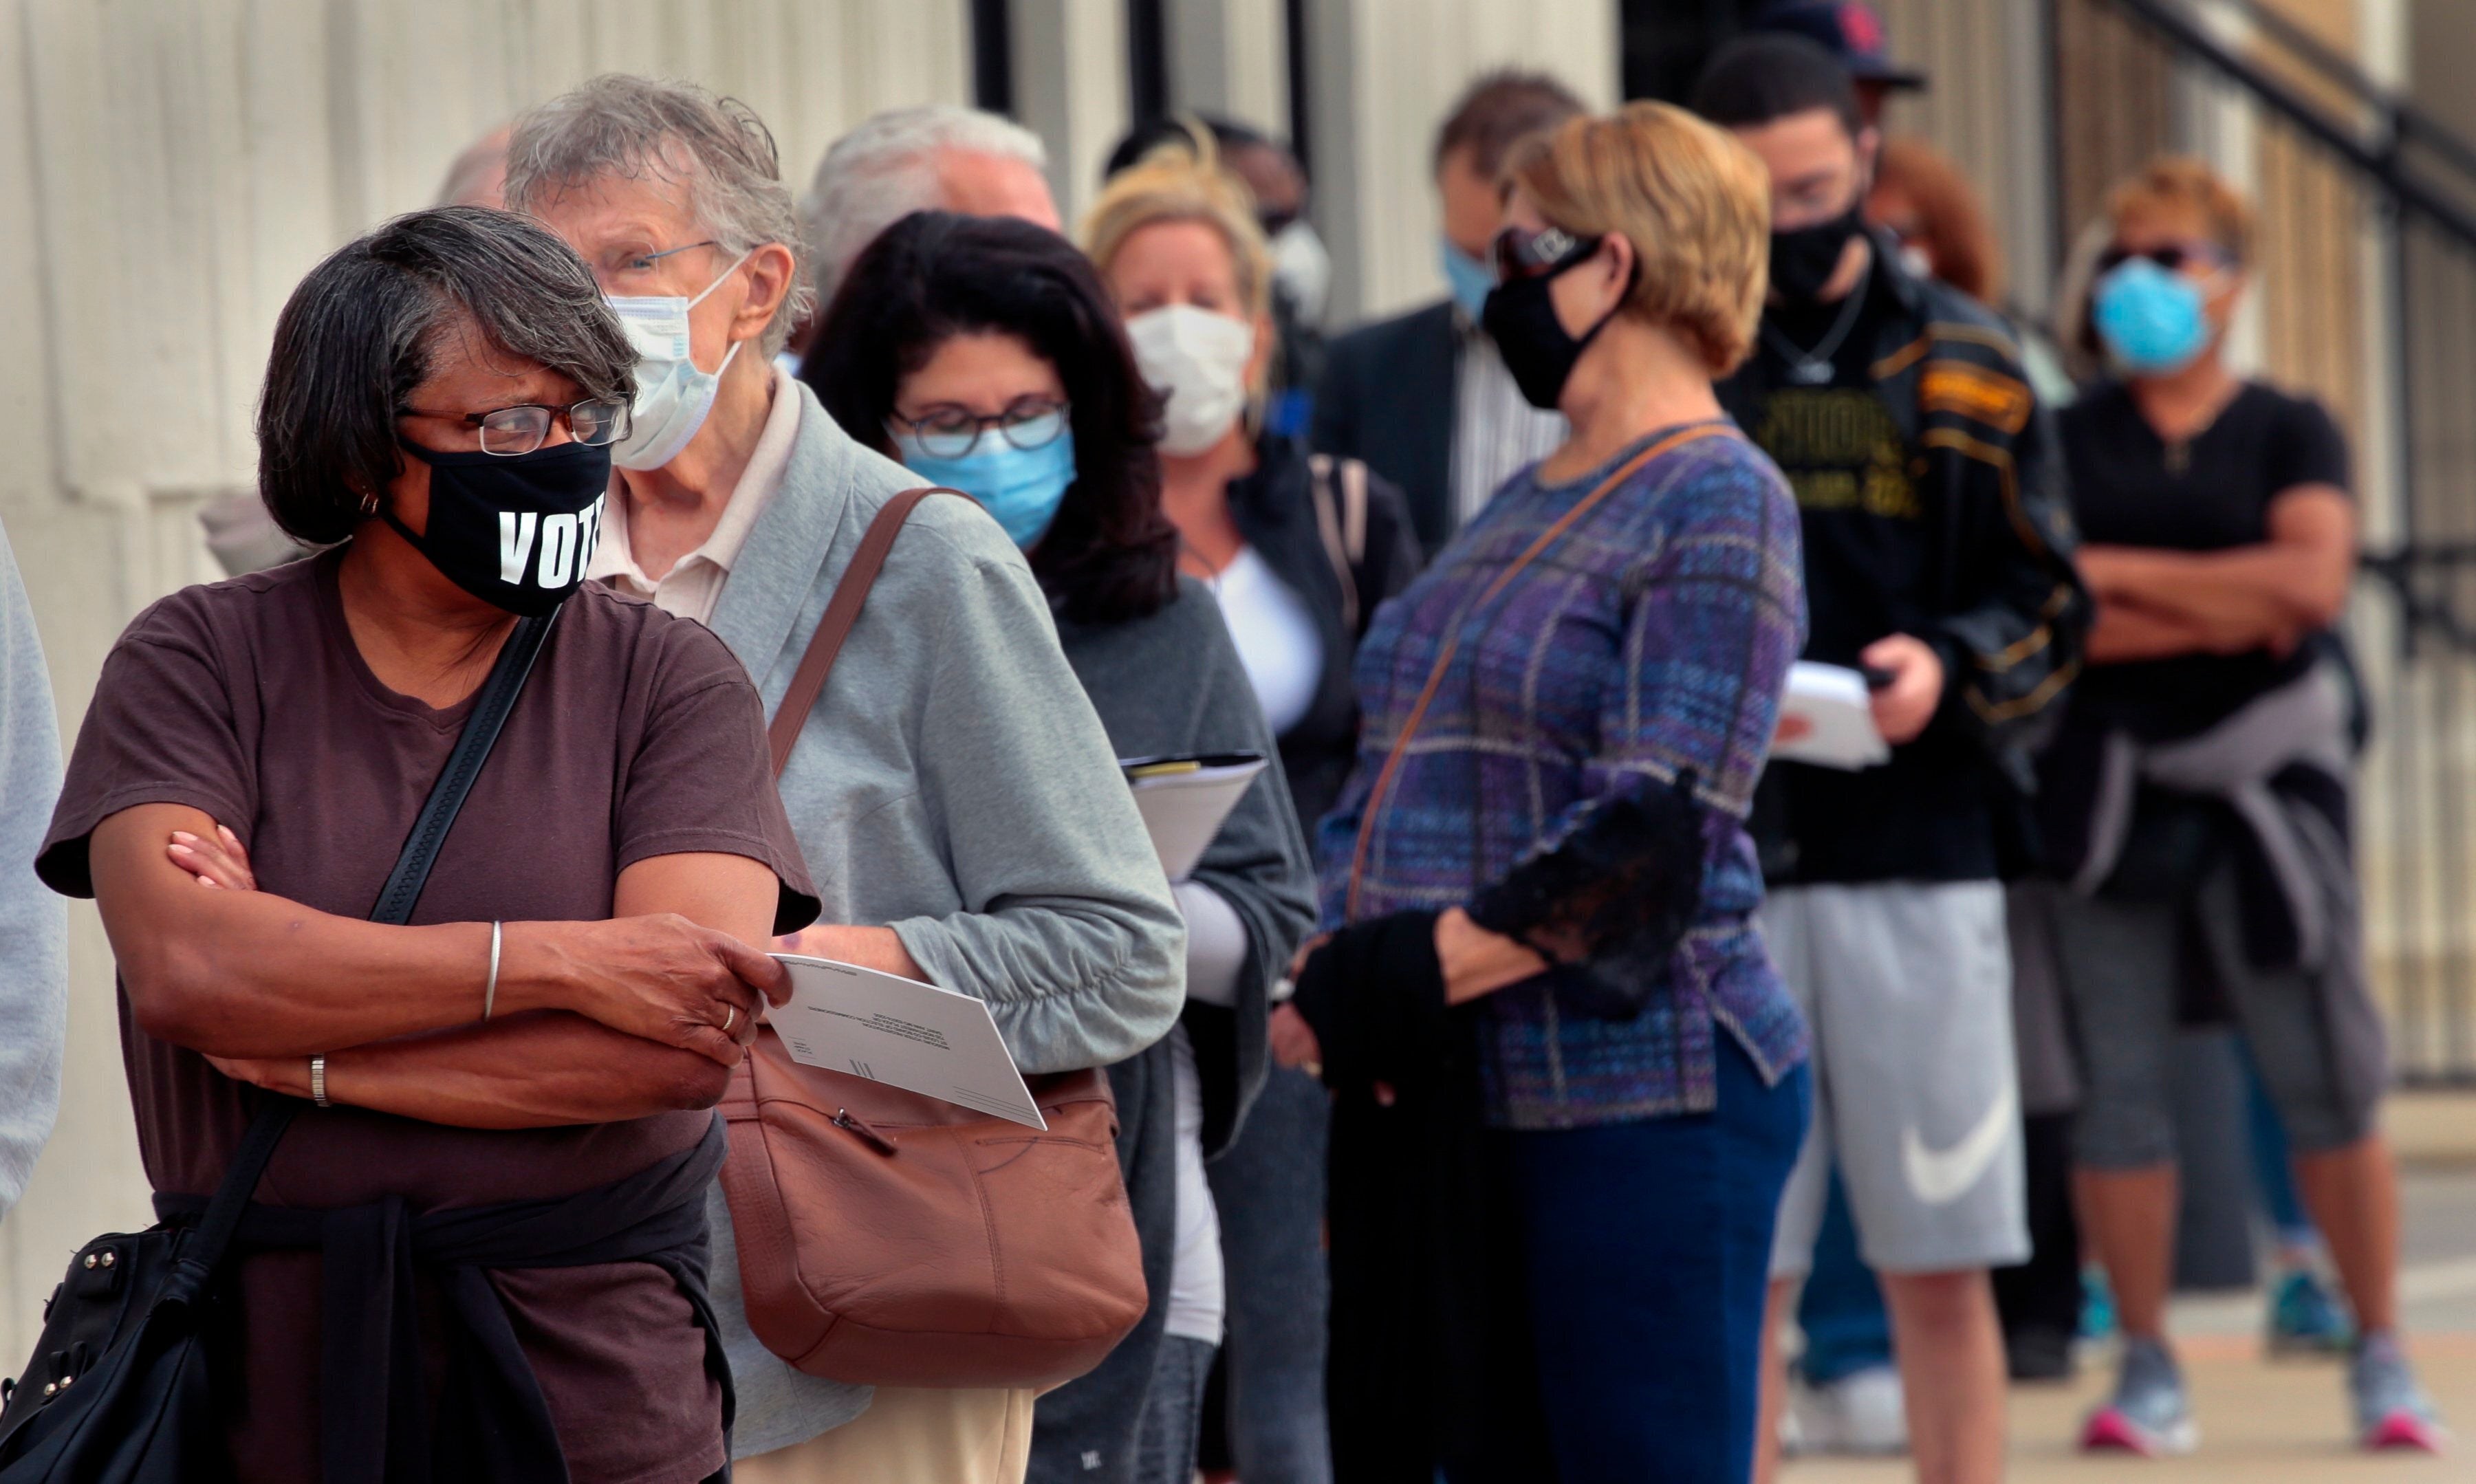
(1941, 1177)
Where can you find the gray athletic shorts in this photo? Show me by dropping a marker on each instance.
(1908, 987)
(2123, 965)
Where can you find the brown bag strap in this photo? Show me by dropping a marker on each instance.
(842, 611)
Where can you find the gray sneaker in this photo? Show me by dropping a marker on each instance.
(2391, 1411)
(2147, 1415)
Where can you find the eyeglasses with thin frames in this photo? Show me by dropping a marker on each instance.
(509, 431)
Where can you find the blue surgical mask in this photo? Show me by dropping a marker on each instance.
(2152, 319)
(1021, 486)
(1467, 277)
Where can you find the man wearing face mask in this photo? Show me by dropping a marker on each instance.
(1937, 560)
(1424, 398)
(953, 784)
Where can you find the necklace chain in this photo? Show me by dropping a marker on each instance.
(1813, 367)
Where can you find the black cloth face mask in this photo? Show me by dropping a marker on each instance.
(1804, 260)
(1520, 318)
(515, 530)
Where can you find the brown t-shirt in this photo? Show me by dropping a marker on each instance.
(637, 735)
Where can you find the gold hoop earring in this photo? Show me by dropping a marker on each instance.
(369, 505)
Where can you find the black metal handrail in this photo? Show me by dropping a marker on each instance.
(2378, 159)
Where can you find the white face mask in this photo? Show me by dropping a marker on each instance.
(1198, 359)
(672, 395)
(1301, 266)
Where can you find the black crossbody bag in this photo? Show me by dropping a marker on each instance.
(118, 1390)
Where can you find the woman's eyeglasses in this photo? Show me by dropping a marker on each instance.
(950, 432)
(2169, 255)
(1541, 254)
(509, 431)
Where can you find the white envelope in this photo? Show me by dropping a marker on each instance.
(900, 1032)
(1834, 701)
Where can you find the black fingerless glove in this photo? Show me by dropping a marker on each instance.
(1374, 996)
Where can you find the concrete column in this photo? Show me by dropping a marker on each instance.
(1070, 87)
(1384, 72)
(1232, 58)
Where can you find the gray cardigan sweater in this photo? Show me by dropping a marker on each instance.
(34, 922)
(953, 784)
(1167, 685)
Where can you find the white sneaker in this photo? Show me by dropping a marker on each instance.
(1864, 1413)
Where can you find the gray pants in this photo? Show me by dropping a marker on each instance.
(2124, 968)
(1268, 1186)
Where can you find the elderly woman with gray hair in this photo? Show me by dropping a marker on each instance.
(480, 1256)
(952, 791)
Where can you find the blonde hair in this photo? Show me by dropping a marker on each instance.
(1693, 201)
(2180, 180)
(1183, 180)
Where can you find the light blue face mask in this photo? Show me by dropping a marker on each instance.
(1021, 486)
(2152, 319)
(1467, 277)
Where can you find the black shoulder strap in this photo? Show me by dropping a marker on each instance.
(472, 745)
(498, 697)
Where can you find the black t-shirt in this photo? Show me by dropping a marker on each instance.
(2129, 488)
(1870, 571)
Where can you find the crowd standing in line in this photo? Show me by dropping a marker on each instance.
(1592, 995)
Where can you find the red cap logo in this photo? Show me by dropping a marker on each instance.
(1863, 27)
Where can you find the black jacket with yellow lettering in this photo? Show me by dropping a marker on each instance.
(1949, 525)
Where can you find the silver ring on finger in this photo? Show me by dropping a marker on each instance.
(730, 1013)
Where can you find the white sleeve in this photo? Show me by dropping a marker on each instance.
(1216, 945)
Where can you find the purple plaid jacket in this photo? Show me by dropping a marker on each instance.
(1654, 637)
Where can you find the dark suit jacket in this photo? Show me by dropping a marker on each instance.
(1388, 398)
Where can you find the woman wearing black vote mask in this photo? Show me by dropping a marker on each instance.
(574, 985)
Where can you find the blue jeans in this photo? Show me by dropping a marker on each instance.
(1846, 1328)
(1647, 1253)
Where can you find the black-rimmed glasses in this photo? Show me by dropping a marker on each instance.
(508, 432)
(950, 432)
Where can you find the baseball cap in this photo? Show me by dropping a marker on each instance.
(1852, 31)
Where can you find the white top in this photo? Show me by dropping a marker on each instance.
(1216, 954)
(693, 585)
(1275, 636)
(1195, 1298)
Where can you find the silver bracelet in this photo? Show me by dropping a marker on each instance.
(490, 994)
(318, 1081)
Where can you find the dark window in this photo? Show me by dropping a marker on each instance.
(1667, 41)
(1147, 61)
(1293, 19)
(993, 56)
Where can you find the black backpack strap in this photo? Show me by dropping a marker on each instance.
(403, 889)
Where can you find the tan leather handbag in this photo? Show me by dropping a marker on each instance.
(890, 1239)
